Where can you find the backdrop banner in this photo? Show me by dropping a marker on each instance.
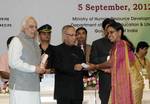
(133, 14)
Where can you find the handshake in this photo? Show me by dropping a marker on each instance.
(103, 67)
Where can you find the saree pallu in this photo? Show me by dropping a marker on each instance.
(137, 84)
(121, 80)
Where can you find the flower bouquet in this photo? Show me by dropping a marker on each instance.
(90, 83)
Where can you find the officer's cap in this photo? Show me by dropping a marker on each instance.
(45, 28)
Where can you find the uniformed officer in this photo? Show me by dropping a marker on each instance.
(46, 47)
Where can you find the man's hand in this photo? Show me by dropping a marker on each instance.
(50, 71)
(78, 67)
(40, 70)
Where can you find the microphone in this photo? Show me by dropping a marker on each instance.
(43, 60)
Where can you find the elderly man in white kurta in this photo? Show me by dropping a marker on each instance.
(24, 59)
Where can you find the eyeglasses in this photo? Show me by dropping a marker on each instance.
(71, 34)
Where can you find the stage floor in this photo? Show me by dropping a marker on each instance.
(90, 97)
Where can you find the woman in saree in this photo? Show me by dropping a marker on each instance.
(127, 83)
(143, 63)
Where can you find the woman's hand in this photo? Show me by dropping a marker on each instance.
(107, 70)
(92, 67)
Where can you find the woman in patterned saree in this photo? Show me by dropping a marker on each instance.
(143, 63)
(127, 82)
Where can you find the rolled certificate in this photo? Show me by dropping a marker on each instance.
(43, 60)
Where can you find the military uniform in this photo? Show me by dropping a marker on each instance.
(47, 29)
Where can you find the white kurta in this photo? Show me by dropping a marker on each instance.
(24, 97)
(19, 96)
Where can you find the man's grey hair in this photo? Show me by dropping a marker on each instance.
(66, 27)
(25, 21)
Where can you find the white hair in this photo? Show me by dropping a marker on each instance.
(25, 21)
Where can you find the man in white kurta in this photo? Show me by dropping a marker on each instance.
(24, 60)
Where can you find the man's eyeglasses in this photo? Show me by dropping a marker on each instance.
(70, 34)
